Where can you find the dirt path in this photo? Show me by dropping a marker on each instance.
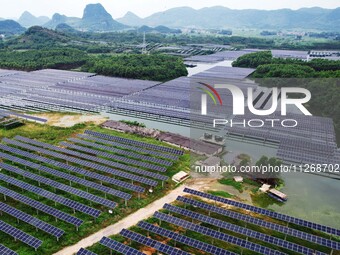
(129, 221)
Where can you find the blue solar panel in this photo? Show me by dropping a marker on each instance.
(272, 214)
(122, 152)
(114, 164)
(185, 240)
(74, 169)
(83, 251)
(129, 147)
(136, 143)
(6, 251)
(20, 235)
(152, 243)
(41, 207)
(262, 223)
(215, 234)
(31, 220)
(119, 247)
(84, 163)
(241, 230)
(60, 186)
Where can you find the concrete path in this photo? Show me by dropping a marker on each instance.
(127, 222)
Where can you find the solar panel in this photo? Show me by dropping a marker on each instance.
(119, 247)
(272, 214)
(44, 193)
(52, 230)
(41, 207)
(152, 243)
(60, 186)
(185, 240)
(122, 152)
(134, 142)
(241, 230)
(215, 234)
(74, 169)
(114, 164)
(129, 147)
(77, 180)
(20, 235)
(262, 223)
(83, 251)
(6, 251)
(95, 159)
(84, 163)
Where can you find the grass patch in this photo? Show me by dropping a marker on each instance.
(231, 182)
(220, 193)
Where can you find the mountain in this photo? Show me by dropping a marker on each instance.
(59, 19)
(222, 18)
(131, 19)
(96, 18)
(11, 27)
(158, 29)
(64, 28)
(28, 20)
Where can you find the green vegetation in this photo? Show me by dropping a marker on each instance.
(220, 193)
(133, 123)
(146, 67)
(231, 182)
(39, 59)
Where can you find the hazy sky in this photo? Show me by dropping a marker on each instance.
(117, 8)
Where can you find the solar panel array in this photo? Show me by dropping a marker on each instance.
(262, 223)
(44, 193)
(185, 224)
(41, 207)
(124, 152)
(20, 235)
(161, 247)
(83, 251)
(48, 228)
(128, 147)
(60, 186)
(215, 234)
(73, 169)
(241, 230)
(136, 143)
(119, 247)
(272, 214)
(80, 161)
(183, 239)
(6, 251)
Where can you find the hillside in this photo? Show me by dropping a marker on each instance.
(37, 37)
(10, 27)
(131, 19)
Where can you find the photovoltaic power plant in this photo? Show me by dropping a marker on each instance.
(19, 215)
(6, 251)
(83, 251)
(20, 235)
(119, 247)
(39, 175)
(205, 227)
(272, 214)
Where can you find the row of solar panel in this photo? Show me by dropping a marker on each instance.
(198, 228)
(136, 143)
